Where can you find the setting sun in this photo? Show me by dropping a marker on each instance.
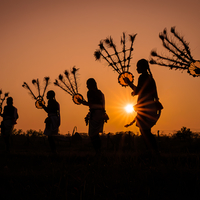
(129, 108)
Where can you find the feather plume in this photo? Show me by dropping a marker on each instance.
(38, 86)
(69, 80)
(46, 80)
(117, 62)
(132, 37)
(66, 73)
(101, 45)
(60, 77)
(74, 70)
(56, 82)
(97, 54)
(25, 85)
(153, 53)
(161, 36)
(34, 81)
(66, 90)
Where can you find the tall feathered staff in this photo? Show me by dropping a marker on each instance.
(40, 97)
(69, 84)
(180, 56)
(119, 61)
(2, 99)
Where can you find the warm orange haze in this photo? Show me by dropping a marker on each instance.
(129, 108)
(44, 38)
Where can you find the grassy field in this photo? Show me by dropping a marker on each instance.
(124, 169)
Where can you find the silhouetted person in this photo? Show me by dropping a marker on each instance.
(10, 117)
(53, 119)
(97, 114)
(148, 107)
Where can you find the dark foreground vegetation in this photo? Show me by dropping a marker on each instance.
(124, 169)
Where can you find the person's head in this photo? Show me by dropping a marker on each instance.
(50, 94)
(91, 84)
(142, 66)
(9, 101)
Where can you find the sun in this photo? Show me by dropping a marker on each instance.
(116, 107)
(129, 108)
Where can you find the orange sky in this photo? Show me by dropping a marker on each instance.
(43, 38)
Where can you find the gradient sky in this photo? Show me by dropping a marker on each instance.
(41, 38)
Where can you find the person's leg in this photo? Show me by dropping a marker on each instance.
(7, 142)
(96, 141)
(153, 142)
(149, 139)
(52, 144)
(6, 136)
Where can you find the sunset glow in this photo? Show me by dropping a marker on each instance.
(129, 108)
(44, 38)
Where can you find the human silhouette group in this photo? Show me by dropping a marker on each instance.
(148, 110)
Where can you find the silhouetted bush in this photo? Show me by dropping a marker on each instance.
(184, 133)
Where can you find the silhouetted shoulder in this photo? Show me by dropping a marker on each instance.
(95, 97)
(53, 106)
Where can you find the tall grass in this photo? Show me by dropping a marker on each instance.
(124, 169)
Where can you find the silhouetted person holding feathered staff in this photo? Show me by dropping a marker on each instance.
(97, 114)
(148, 107)
(53, 120)
(10, 116)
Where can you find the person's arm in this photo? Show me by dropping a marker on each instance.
(127, 125)
(92, 106)
(1, 114)
(96, 106)
(44, 107)
(16, 116)
(84, 102)
(131, 85)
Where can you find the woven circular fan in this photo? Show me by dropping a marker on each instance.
(125, 75)
(194, 68)
(118, 60)
(75, 98)
(179, 54)
(69, 84)
(39, 98)
(38, 101)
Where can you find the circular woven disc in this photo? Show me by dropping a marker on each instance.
(75, 98)
(194, 68)
(38, 101)
(125, 75)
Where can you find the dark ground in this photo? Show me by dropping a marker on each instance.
(124, 170)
